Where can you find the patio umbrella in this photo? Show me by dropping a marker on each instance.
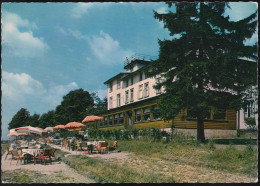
(44, 132)
(49, 129)
(28, 130)
(58, 127)
(92, 118)
(15, 134)
(74, 126)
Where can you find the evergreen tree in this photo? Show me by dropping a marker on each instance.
(33, 120)
(19, 119)
(202, 67)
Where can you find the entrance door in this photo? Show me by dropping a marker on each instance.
(129, 115)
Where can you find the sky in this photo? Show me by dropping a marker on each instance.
(49, 49)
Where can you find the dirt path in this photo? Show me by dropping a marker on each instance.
(57, 168)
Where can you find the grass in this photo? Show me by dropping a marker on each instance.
(180, 161)
(26, 176)
(103, 171)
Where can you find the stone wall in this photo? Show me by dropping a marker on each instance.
(209, 133)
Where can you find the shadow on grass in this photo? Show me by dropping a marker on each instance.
(235, 141)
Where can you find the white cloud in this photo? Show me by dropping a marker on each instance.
(80, 9)
(16, 86)
(23, 88)
(23, 91)
(102, 93)
(21, 44)
(161, 10)
(240, 10)
(106, 49)
(77, 34)
(56, 92)
(61, 30)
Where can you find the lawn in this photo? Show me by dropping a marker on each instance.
(157, 162)
(28, 176)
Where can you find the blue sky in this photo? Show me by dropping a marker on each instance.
(49, 49)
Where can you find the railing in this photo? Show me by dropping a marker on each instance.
(139, 57)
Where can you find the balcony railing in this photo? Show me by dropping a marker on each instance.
(139, 57)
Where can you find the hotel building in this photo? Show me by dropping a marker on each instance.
(131, 99)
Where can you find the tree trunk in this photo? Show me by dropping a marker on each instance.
(200, 129)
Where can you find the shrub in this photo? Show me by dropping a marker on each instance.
(117, 134)
(251, 124)
(126, 135)
(134, 132)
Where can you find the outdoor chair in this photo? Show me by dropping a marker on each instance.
(16, 155)
(52, 151)
(102, 147)
(46, 154)
(77, 145)
(84, 146)
(9, 152)
(114, 147)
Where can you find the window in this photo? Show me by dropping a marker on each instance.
(110, 102)
(101, 123)
(110, 120)
(126, 83)
(146, 115)
(155, 113)
(105, 121)
(121, 118)
(140, 93)
(132, 95)
(146, 90)
(118, 84)
(110, 87)
(138, 115)
(158, 91)
(126, 96)
(118, 100)
(115, 119)
(140, 76)
(220, 115)
(132, 81)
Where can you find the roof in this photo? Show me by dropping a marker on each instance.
(132, 63)
(115, 77)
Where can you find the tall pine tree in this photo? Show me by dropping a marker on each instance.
(203, 69)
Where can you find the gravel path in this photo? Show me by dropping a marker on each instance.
(55, 168)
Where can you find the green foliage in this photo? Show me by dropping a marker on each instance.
(134, 132)
(92, 133)
(206, 52)
(117, 134)
(251, 123)
(19, 119)
(126, 135)
(47, 120)
(64, 133)
(73, 107)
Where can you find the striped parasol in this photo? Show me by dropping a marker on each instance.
(58, 127)
(92, 118)
(74, 126)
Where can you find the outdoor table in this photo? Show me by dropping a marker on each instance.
(29, 152)
(57, 141)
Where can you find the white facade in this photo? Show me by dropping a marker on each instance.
(132, 87)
